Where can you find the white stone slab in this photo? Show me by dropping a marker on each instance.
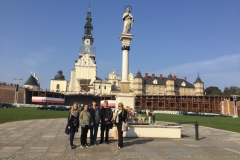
(148, 131)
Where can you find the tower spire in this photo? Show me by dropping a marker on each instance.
(89, 5)
(88, 26)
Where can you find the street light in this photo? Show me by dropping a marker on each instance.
(17, 82)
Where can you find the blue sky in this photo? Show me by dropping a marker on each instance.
(186, 37)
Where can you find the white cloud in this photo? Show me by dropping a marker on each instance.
(222, 71)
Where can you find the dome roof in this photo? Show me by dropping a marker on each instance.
(32, 81)
(138, 75)
(59, 76)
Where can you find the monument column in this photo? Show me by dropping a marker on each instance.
(125, 84)
(127, 98)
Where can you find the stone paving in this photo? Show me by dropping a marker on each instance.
(45, 139)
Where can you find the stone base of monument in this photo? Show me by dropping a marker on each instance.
(146, 130)
(128, 99)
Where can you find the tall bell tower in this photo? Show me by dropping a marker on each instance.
(85, 69)
(88, 38)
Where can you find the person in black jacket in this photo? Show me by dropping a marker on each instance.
(106, 115)
(95, 114)
(120, 118)
(73, 123)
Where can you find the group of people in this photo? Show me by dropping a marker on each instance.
(90, 118)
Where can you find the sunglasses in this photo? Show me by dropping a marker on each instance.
(119, 106)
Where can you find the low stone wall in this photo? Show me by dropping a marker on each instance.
(148, 131)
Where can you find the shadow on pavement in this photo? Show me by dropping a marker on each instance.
(184, 136)
(131, 141)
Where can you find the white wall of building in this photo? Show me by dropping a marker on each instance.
(58, 85)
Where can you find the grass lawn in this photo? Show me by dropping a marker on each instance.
(225, 123)
(17, 114)
(26, 113)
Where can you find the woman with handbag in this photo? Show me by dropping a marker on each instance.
(121, 118)
(73, 123)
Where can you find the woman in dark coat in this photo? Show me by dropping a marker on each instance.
(120, 118)
(73, 123)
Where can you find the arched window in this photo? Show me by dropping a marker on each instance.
(58, 86)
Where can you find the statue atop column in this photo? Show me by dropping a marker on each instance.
(127, 20)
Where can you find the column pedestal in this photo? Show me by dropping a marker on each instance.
(128, 99)
(125, 87)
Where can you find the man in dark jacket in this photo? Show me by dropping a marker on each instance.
(106, 118)
(95, 114)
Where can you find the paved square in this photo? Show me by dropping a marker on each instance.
(39, 139)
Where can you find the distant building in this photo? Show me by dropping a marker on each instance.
(59, 84)
(152, 85)
(114, 79)
(32, 83)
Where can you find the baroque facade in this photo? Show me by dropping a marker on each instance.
(152, 85)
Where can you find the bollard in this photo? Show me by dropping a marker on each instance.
(196, 130)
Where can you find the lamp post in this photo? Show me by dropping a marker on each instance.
(235, 106)
(17, 82)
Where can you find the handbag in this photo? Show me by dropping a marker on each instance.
(124, 126)
(67, 130)
(115, 134)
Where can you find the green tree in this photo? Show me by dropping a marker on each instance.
(212, 90)
(232, 90)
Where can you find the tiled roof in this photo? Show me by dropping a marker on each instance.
(32, 81)
(138, 75)
(178, 82)
(198, 80)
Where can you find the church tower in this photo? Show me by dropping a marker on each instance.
(199, 86)
(170, 87)
(85, 69)
(88, 38)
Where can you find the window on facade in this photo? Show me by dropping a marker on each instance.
(148, 87)
(184, 89)
(154, 88)
(58, 86)
(189, 90)
(160, 88)
(99, 87)
(105, 87)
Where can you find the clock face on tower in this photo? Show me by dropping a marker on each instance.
(87, 50)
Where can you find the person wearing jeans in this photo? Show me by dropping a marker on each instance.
(95, 114)
(73, 123)
(120, 118)
(85, 122)
(106, 115)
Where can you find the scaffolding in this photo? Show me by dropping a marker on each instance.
(203, 104)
